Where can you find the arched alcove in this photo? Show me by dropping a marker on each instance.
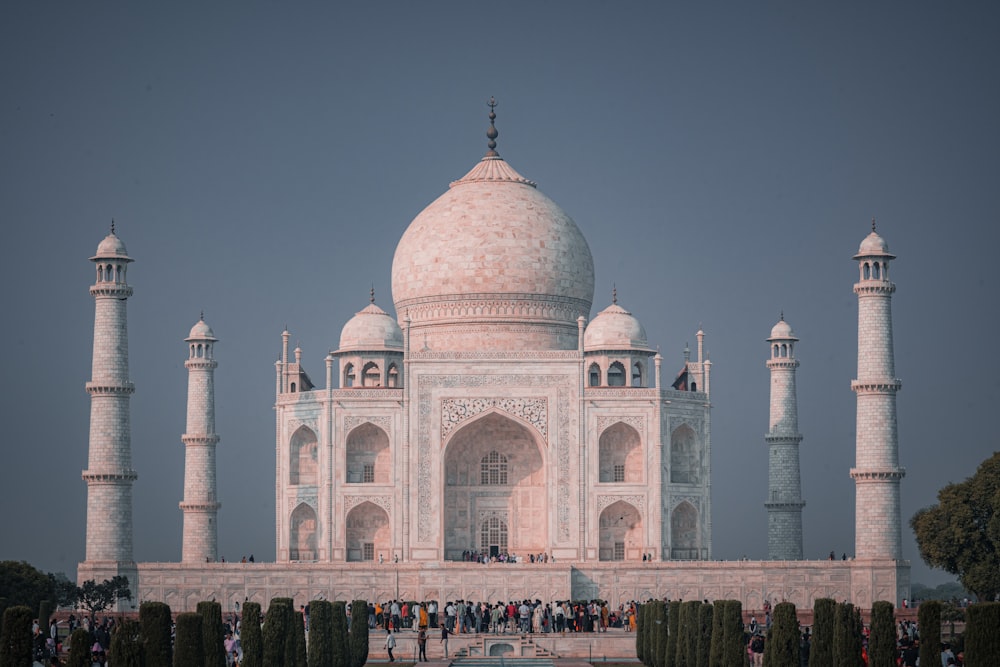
(303, 467)
(685, 464)
(368, 532)
(684, 532)
(621, 534)
(368, 455)
(620, 455)
(302, 533)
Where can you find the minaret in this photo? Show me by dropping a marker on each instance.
(877, 523)
(109, 475)
(784, 490)
(200, 505)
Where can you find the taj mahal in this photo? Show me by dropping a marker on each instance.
(490, 417)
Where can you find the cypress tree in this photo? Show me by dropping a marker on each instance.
(658, 638)
(680, 636)
(673, 626)
(126, 645)
(189, 647)
(705, 624)
(882, 641)
(982, 634)
(358, 640)
(640, 647)
(295, 644)
(320, 653)
(782, 648)
(717, 647)
(821, 648)
(341, 651)
(277, 631)
(212, 634)
(846, 641)
(15, 636)
(154, 634)
(689, 638)
(734, 651)
(79, 649)
(929, 627)
(250, 636)
(44, 614)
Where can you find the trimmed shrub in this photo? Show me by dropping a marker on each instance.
(189, 647)
(126, 645)
(705, 624)
(358, 636)
(656, 618)
(640, 630)
(320, 650)
(929, 627)
(982, 634)
(79, 649)
(295, 648)
(673, 626)
(15, 636)
(44, 614)
(687, 640)
(250, 636)
(734, 652)
(154, 633)
(882, 640)
(341, 650)
(277, 631)
(212, 634)
(717, 647)
(782, 648)
(846, 637)
(680, 636)
(821, 647)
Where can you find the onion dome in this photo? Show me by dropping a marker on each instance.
(201, 331)
(371, 329)
(111, 247)
(782, 330)
(493, 262)
(874, 246)
(615, 328)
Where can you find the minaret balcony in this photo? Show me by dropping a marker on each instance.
(117, 290)
(877, 475)
(110, 388)
(874, 288)
(109, 477)
(876, 387)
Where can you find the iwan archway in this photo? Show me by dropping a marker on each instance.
(495, 498)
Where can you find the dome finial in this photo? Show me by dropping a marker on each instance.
(492, 133)
(371, 298)
(112, 225)
(873, 223)
(614, 293)
(782, 317)
(202, 316)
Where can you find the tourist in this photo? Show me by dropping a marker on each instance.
(390, 643)
(422, 644)
(444, 637)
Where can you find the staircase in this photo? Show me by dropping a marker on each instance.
(504, 650)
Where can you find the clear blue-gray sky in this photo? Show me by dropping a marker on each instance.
(724, 161)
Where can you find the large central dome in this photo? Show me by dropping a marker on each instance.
(493, 264)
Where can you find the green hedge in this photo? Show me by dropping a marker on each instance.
(15, 636)
(358, 640)
(718, 646)
(320, 653)
(782, 648)
(706, 620)
(929, 628)
(821, 647)
(79, 649)
(189, 647)
(882, 641)
(154, 633)
(250, 636)
(126, 645)
(847, 637)
(341, 649)
(982, 635)
(212, 634)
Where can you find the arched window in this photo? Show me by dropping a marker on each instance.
(620, 455)
(685, 458)
(371, 376)
(784, 350)
(616, 375)
(293, 387)
(595, 375)
(349, 376)
(303, 466)
(393, 376)
(493, 536)
(694, 386)
(637, 374)
(875, 270)
(100, 273)
(775, 354)
(866, 271)
(493, 469)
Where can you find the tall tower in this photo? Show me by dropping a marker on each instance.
(877, 523)
(200, 506)
(109, 475)
(784, 490)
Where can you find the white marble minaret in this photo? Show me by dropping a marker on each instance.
(877, 524)
(109, 475)
(200, 504)
(784, 491)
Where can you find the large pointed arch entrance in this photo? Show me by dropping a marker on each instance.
(621, 532)
(495, 497)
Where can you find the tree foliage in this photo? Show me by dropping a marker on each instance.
(22, 584)
(295, 648)
(96, 597)
(250, 636)
(882, 641)
(669, 648)
(358, 640)
(821, 647)
(705, 624)
(15, 636)
(982, 635)
(212, 634)
(126, 645)
(782, 648)
(929, 627)
(847, 636)
(718, 634)
(733, 650)
(79, 649)
(154, 632)
(320, 653)
(278, 632)
(341, 649)
(961, 534)
(640, 633)
(189, 647)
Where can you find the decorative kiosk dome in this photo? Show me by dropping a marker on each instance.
(874, 246)
(782, 330)
(615, 328)
(201, 331)
(493, 264)
(371, 329)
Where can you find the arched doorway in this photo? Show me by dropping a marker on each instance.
(494, 480)
(368, 533)
(302, 536)
(620, 455)
(621, 535)
(368, 457)
(684, 532)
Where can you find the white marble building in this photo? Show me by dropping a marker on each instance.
(490, 414)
